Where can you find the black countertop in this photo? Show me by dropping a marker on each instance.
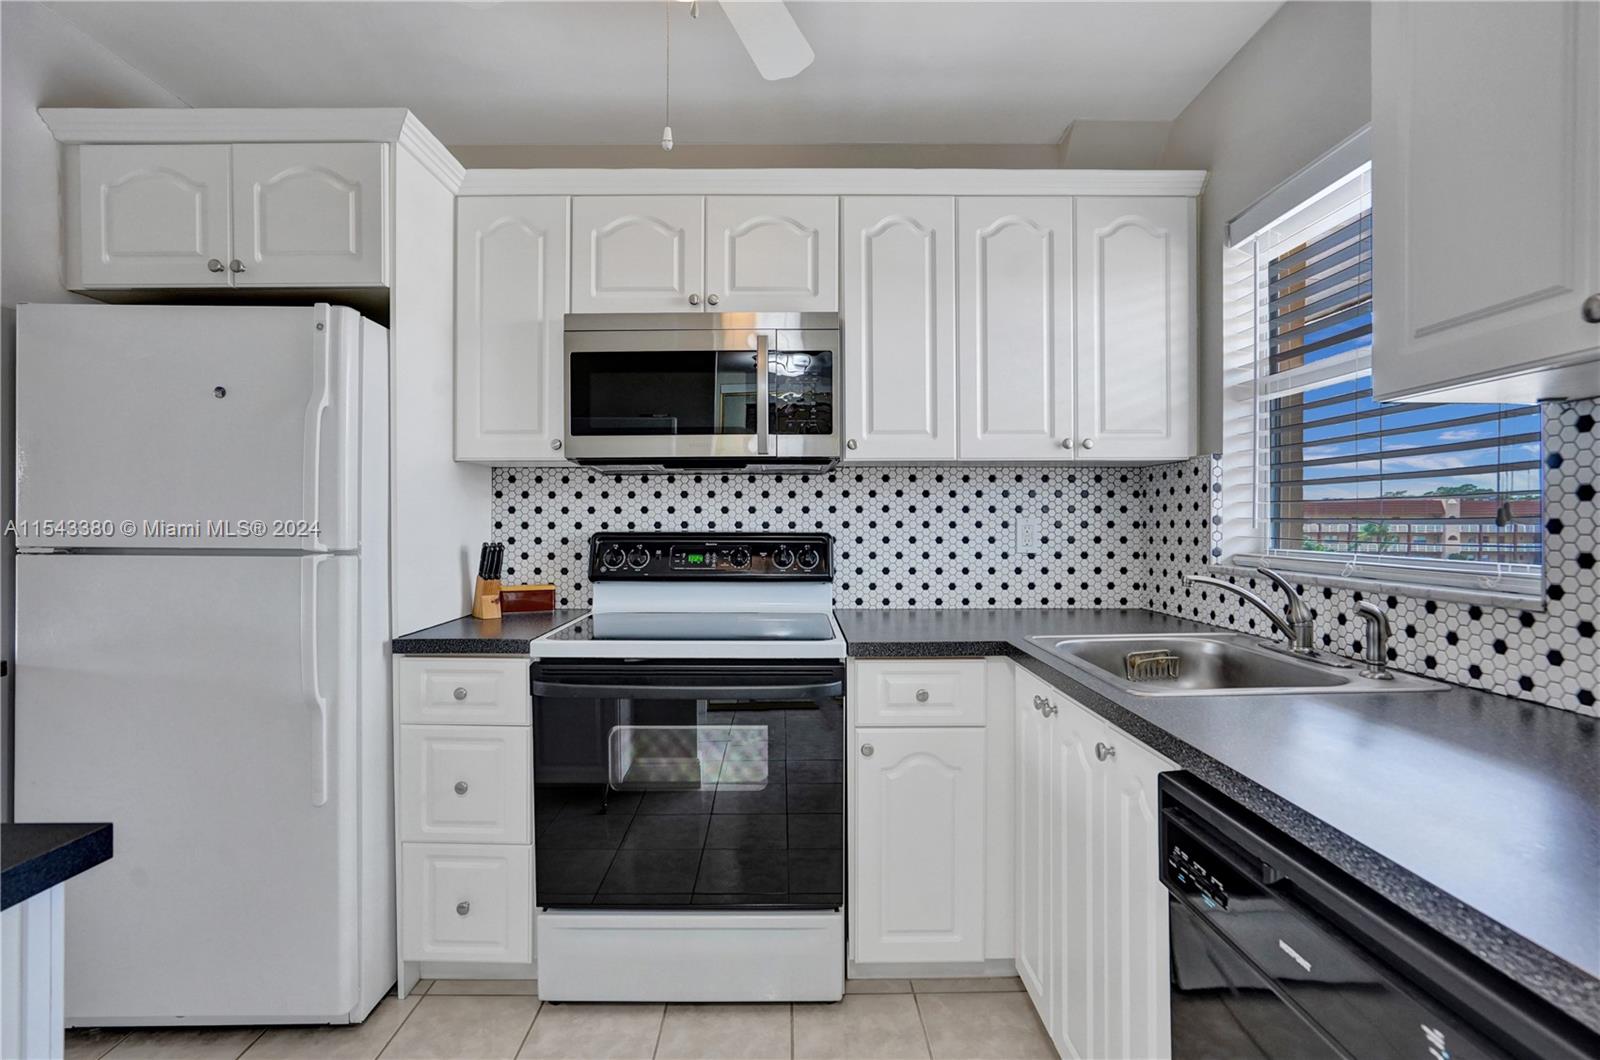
(36, 857)
(477, 636)
(1478, 814)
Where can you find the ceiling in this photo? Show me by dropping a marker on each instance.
(481, 72)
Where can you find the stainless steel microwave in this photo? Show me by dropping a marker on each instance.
(703, 390)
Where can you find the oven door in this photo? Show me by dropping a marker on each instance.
(662, 784)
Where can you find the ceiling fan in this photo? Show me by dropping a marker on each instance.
(769, 34)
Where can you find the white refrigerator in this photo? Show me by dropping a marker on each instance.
(202, 619)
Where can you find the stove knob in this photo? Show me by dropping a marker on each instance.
(638, 559)
(809, 558)
(739, 557)
(783, 557)
(613, 557)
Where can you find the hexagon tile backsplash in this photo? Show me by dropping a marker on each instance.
(945, 536)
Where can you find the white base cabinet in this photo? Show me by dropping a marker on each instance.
(1091, 913)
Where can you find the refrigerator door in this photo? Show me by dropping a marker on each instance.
(187, 427)
(205, 705)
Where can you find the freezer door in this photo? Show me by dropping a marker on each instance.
(205, 705)
(186, 427)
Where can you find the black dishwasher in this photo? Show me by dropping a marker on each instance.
(1278, 954)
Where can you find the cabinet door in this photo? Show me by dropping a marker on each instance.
(638, 253)
(1135, 319)
(1036, 847)
(1131, 1015)
(1015, 309)
(1081, 991)
(511, 292)
(899, 328)
(1486, 196)
(919, 845)
(772, 252)
(148, 216)
(310, 215)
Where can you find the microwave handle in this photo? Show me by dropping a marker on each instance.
(763, 398)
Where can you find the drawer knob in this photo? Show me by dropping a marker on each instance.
(460, 694)
(922, 695)
(463, 908)
(1038, 702)
(1049, 709)
(1104, 751)
(461, 787)
(866, 750)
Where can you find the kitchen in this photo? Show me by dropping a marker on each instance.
(685, 529)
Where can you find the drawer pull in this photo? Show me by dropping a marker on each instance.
(461, 787)
(460, 694)
(866, 750)
(1104, 751)
(922, 695)
(463, 908)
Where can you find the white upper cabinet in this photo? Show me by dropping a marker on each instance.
(638, 253)
(511, 292)
(148, 216)
(1016, 342)
(899, 328)
(310, 215)
(1135, 349)
(221, 215)
(1486, 200)
(772, 253)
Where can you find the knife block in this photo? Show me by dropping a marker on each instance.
(486, 598)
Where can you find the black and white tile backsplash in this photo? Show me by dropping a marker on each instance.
(941, 536)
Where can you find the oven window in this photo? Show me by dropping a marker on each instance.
(663, 392)
(648, 803)
(802, 392)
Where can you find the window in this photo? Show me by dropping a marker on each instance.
(1318, 475)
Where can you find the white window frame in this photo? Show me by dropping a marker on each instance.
(1344, 179)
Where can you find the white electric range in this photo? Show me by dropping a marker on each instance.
(689, 775)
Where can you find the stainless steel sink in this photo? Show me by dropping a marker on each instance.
(1211, 664)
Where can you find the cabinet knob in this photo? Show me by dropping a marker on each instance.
(1104, 751)
(694, 299)
(1591, 309)
(851, 444)
(555, 443)
(1049, 709)
(460, 694)
(236, 265)
(922, 695)
(712, 299)
(215, 265)
(1066, 443)
(1088, 443)
(866, 750)
(461, 787)
(1038, 701)
(463, 908)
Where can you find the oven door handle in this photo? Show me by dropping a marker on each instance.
(565, 690)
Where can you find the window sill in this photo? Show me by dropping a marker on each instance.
(1513, 600)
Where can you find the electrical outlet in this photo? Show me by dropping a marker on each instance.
(1030, 534)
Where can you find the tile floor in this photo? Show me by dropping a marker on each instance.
(469, 1019)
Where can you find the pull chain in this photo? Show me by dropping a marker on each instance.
(666, 130)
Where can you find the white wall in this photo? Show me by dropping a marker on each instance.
(44, 62)
(1297, 88)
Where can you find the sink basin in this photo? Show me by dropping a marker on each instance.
(1210, 664)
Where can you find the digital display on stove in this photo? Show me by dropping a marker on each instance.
(694, 559)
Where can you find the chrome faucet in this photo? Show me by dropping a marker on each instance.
(1375, 644)
(1295, 622)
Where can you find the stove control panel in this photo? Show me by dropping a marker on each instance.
(794, 557)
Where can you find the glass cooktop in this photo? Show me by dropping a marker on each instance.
(696, 626)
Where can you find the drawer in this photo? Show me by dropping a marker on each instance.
(467, 903)
(918, 692)
(464, 783)
(453, 691)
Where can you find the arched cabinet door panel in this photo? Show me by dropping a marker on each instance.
(772, 253)
(147, 215)
(638, 253)
(310, 215)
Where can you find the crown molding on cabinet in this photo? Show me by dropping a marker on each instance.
(177, 125)
(1164, 182)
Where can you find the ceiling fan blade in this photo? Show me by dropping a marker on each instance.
(771, 37)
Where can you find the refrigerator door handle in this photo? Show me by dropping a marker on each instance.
(311, 676)
(316, 417)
